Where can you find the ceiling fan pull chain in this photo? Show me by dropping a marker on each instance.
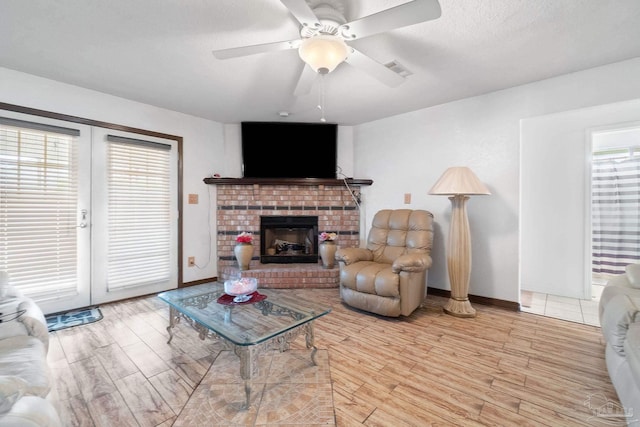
(321, 105)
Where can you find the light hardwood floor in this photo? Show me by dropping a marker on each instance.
(501, 368)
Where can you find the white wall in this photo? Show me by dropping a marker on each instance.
(409, 152)
(202, 147)
(555, 216)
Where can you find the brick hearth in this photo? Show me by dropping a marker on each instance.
(288, 275)
(239, 208)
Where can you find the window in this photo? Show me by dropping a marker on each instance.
(38, 207)
(139, 212)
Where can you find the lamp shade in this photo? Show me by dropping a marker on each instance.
(323, 53)
(459, 180)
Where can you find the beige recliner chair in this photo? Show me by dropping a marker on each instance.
(389, 276)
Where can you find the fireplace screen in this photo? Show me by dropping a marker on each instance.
(288, 239)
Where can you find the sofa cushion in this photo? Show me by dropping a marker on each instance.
(618, 314)
(25, 357)
(633, 275)
(632, 351)
(11, 389)
(31, 411)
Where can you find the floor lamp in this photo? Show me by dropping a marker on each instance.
(459, 183)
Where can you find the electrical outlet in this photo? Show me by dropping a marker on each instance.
(191, 261)
(407, 198)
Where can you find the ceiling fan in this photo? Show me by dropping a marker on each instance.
(324, 32)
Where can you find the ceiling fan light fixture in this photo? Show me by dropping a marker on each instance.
(323, 53)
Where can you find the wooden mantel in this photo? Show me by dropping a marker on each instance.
(287, 181)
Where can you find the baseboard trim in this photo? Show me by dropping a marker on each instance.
(509, 305)
(200, 282)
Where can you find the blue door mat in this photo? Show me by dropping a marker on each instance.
(56, 322)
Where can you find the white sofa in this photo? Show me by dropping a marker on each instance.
(25, 384)
(619, 311)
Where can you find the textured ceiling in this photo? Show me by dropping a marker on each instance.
(159, 52)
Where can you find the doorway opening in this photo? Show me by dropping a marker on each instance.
(615, 202)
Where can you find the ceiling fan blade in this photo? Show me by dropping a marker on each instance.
(307, 77)
(406, 14)
(235, 52)
(302, 12)
(374, 68)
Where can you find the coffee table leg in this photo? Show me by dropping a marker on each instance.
(309, 338)
(174, 318)
(245, 354)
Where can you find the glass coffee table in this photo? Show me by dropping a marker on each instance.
(272, 319)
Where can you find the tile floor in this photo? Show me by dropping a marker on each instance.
(571, 309)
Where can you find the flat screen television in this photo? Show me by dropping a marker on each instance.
(289, 150)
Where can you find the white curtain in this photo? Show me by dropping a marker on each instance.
(616, 214)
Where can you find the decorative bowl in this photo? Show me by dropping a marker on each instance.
(241, 289)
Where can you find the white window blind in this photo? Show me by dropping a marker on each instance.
(38, 207)
(139, 213)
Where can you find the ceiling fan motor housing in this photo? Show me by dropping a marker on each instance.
(330, 21)
(322, 47)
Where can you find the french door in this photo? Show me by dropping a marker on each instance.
(134, 189)
(87, 215)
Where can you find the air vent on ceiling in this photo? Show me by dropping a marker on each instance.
(398, 68)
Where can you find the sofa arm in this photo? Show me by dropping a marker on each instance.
(26, 318)
(34, 321)
(617, 285)
(412, 263)
(633, 275)
(351, 255)
(618, 314)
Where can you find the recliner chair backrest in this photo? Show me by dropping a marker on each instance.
(396, 232)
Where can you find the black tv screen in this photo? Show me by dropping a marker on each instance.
(289, 150)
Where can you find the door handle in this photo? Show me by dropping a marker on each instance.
(83, 223)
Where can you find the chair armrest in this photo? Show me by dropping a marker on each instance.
(414, 262)
(351, 255)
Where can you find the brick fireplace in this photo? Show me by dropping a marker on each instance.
(242, 202)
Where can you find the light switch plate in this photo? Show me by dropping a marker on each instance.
(407, 198)
(193, 199)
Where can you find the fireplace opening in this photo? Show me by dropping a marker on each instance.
(288, 239)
